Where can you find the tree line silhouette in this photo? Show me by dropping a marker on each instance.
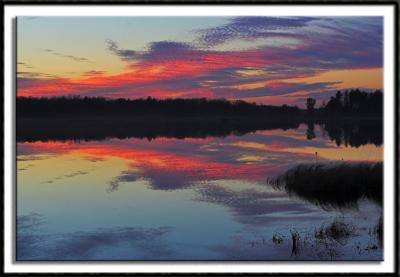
(74, 106)
(350, 102)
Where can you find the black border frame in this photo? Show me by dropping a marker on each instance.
(226, 2)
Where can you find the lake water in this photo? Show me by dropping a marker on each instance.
(185, 199)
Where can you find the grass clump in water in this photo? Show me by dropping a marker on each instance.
(335, 185)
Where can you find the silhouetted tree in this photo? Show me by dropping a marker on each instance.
(310, 105)
(355, 102)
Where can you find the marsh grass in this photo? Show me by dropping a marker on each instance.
(378, 231)
(334, 185)
(277, 238)
(296, 242)
(338, 230)
(327, 242)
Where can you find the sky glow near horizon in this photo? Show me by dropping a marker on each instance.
(269, 60)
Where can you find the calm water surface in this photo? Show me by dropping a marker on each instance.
(183, 199)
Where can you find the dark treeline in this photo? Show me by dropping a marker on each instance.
(350, 102)
(347, 103)
(77, 106)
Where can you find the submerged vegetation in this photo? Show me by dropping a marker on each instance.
(378, 231)
(334, 185)
(329, 241)
(337, 230)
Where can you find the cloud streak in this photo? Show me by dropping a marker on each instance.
(71, 57)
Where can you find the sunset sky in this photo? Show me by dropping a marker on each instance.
(270, 60)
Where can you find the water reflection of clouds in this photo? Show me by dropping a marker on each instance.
(31, 157)
(266, 140)
(26, 167)
(28, 235)
(185, 162)
(255, 207)
(210, 167)
(69, 175)
(179, 172)
(41, 150)
(288, 141)
(125, 177)
(176, 164)
(243, 248)
(118, 243)
(30, 221)
(225, 150)
(94, 159)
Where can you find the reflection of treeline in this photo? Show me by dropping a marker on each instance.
(76, 105)
(334, 186)
(352, 133)
(97, 128)
(350, 102)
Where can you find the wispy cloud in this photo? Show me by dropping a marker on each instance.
(26, 65)
(93, 73)
(71, 57)
(123, 54)
(250, 28)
